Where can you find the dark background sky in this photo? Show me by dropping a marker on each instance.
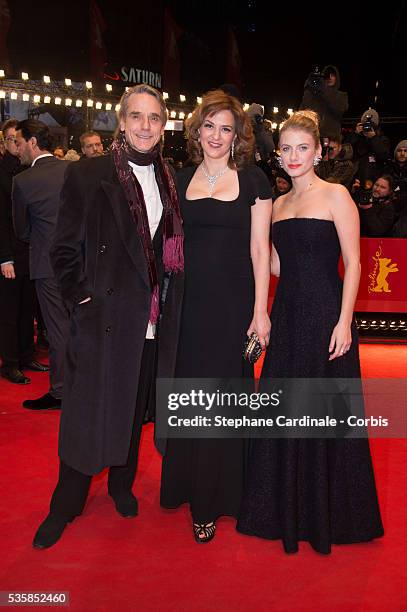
(278, 42)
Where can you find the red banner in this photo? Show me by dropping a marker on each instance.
(383, 281)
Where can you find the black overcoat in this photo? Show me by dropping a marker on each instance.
(97, 253)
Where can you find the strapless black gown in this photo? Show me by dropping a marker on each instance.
(320, 491)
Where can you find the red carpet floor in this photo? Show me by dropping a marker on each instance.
(108, 563)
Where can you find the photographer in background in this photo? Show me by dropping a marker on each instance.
(371, 148)
(264, 146)
(376, 209)
(322, 95)
(337, 165)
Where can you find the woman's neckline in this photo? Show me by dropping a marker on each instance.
(303, 219)
(211, 197)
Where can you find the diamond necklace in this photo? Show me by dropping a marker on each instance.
(212, 178)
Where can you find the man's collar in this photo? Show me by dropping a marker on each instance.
(39, 157)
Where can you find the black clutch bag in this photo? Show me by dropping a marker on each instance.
(252, 348)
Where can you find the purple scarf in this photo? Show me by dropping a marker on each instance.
(173, 236)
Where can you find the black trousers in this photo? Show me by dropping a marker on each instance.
(70, 494)
(17, 300)
(56, 319)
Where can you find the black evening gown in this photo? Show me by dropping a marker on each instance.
(217, 311)
(320, 491)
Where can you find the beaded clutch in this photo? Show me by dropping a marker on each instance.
(252, 348)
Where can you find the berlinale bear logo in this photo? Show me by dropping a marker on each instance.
(381, 270)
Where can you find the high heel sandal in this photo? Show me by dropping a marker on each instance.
(204, 532)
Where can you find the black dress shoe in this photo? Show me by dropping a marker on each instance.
(126, 505)
(51, 530)
(36, 366)
(15, 375)
(45, 402)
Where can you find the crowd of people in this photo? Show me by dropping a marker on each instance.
(142, 273)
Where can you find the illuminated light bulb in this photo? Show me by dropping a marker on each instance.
(24, 76)
(245, 106)
(68, 101)
(182, 97)
(108, 106)
(89, 103)
(2, 74)
(181, 115)
(108, 87)
(274, 125)
(290, 111)
(68, 82)
(46, 79)
(117, 108)
(199, 100)
(98, 105)
(2, 94)
(189, 115)
(275, 109)
(26, 97)
(173, 114)
(37, 99)
(13, 95)
(165, 95)
(88, 84)
(47, 99)
(78, 103)
(58, 100)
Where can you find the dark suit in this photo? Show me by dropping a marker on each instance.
(110, 365)
(36, 200)
(17, 296)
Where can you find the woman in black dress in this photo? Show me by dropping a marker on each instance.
(226, 209)
(318, 490)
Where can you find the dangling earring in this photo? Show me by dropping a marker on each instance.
(317, 159)
(232, 150)
(280, 161)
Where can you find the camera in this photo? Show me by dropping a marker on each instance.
(315, 79)
(368, 125)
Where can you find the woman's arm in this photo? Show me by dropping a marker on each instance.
(260, 254)
(346, 219)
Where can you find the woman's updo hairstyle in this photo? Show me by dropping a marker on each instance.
(304, 120)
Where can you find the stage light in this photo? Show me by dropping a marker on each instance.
(290, 111)
(58, 100)
(26, 97)
(108, 106)
(181, 115)
(274, 125)
(2, 94)
(13, 95)
(68, 101)
(281, 125)
(182, 97)
(78, 103)
(173, 114)
(24, 76)
(98, 105)
(165, 95)
(117, 108)
(2, 74)
(199, 100)
(47, 99)
(189, 115)
(37, 99)
(89, 103)
(46, 79)
(245, 106)
(88, 84)
(68, 82)
(275, 109)
(108, 87)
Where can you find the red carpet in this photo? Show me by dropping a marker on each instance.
(108, 563)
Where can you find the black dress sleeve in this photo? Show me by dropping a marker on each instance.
(259, 185)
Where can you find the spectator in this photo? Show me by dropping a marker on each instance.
(377, 213)
(264, 147)
(283, 184)
(59, 152)
(91, 144)
(72, 155)
(371, 148)
(337, 165)
(397, 167)
(322, 95)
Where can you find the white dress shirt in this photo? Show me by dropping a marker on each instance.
(146, 177)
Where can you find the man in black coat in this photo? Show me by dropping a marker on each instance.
(118, 235)
(17, 293)
(36, 200)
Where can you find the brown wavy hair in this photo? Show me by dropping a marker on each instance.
(213, 102)
(305, 120)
